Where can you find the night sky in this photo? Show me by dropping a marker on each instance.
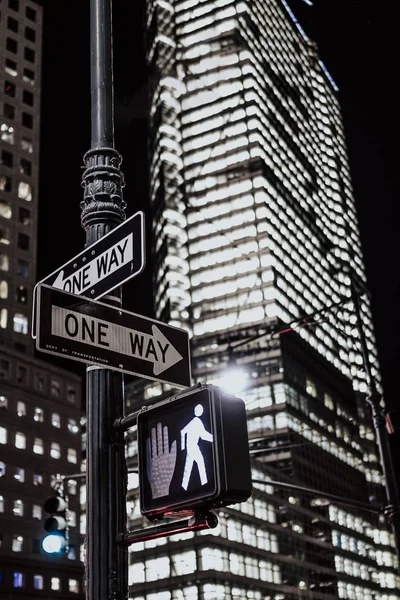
(357, 44)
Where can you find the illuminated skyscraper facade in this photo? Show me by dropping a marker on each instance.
(255, 228)
(40, 404)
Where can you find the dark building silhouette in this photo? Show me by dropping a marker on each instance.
(40, 404)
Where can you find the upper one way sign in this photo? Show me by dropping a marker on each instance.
(111, 261)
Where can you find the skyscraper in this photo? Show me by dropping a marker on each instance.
(39, 403)
(256, 249)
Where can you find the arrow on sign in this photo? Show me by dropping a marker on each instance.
(103, 265)
(83, 328)
(147, 346)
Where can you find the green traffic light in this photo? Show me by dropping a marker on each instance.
(53, 544)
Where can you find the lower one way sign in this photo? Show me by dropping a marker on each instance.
(97, 333)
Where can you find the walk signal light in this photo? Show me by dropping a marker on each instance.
(56, 525)
(193, 452)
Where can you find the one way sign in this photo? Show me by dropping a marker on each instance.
(106, 264)
(98, 333)
(111, 261)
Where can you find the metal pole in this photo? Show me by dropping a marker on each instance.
(103, 208)
(391, 511)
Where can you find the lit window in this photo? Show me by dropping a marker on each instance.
(311, 388)
(2, 469)
(18, 579)
(55, 420)
(328, 401)
(27, 144)
(3, 318)
(19, 474)
(36, 511)
(3, 289)
(18, 508)
(11, 67)
(20, 323)
(73, 586)
(38, 582)
(71, 394)
(1, 504)
(39, 415)
(38, 446)
(72, 553)
(21, 409)
(55, 583)
(182, 563)
(37, 479)
(72, 456)
(55, 388)
(55, 451)
(72, 518)
(24, 191)
(4, 236)
(72, 426)
(17, 543)
(72, 487)
(5, 209)
(7, 133)
(20, 440)
(3, 402)
(3, 435)
(4, 262)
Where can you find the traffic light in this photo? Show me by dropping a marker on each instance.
(193, 452)
(56, 525)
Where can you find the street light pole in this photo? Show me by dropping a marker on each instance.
(391, 511)
(103, 208)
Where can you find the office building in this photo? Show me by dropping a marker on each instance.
(40, 404)
(254, 229)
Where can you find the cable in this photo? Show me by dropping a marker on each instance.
(320, 494)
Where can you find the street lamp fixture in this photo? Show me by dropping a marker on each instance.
(234, 378)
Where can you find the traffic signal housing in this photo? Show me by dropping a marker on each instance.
(193, 452)
(56, 525)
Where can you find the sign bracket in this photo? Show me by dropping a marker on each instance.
(200, 519)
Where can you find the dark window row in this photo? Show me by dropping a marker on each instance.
(12, 46)
(7, 159)
(30, 13)
(9, 90)
(13, 25)
(40, 381)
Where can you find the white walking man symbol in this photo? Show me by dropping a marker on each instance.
(190, 436)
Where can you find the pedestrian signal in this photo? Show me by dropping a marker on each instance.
(193, 452)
